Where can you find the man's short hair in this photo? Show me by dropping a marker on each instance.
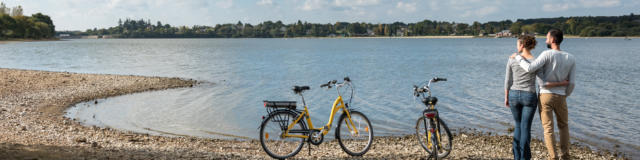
(557, 35)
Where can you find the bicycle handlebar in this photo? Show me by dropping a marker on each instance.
(346, 79)
(334, 82)
(423, 89)
(436, 79)
(328, 84)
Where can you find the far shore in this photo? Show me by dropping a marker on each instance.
(399, 37)
(574, 36)
(455, 37)
(32, 126)
(355, 37)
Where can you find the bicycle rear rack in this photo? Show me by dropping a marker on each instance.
(272, 106)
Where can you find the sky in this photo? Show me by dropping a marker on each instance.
(85, 14)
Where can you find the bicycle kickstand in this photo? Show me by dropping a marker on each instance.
(309, 146)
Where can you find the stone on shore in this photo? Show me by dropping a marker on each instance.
(32, 126)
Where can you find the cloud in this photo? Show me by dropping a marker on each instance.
(599, 3)
(480, 12)
(556, 7)
(113, 3)
(265, 2)
(352, 3)
(407, 7)
(467, 4)
(224, 3)
(134, 5)
(434, 5)
(312, 5)
(338, 5)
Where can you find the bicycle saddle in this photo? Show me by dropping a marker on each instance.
(430, 100)
(299, 89)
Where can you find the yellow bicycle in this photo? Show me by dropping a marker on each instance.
(284, 130)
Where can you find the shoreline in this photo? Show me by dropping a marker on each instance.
(356, 37)
(32, 126)
(14, 40)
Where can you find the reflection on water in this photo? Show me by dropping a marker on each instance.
(243, 72)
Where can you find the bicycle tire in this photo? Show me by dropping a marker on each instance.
(436, 145)
(444, 136)
(278, 119)
(358, 119)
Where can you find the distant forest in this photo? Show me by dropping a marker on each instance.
(15, 25)
(587, 26)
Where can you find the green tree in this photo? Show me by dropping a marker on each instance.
(22, 27)
(40, 30)
(461, 28)
(587, 26)
(7, 25)
(39, 17)
(476, 28)
(528, 29)
(572, 26)
(516, 28)
(387, 31)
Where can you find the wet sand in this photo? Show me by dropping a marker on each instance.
(32, 126)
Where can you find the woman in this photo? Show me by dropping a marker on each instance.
(521, 98)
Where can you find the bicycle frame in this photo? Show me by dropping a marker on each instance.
(437, 129)
(338, 104)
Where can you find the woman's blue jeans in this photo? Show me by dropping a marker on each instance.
(523, 106)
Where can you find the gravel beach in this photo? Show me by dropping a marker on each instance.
(32, 126)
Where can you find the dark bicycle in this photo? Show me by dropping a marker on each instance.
(432, 133)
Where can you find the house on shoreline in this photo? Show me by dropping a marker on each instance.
(504, 33)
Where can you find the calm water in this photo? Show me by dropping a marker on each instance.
(603, 110)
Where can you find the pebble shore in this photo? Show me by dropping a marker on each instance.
(32, 126)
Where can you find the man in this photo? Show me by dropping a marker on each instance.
(555, 65)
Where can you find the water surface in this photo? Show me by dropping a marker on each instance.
(240, 73)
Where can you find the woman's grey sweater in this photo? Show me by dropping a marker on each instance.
(517, 78)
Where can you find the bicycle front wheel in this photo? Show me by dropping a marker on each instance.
(272, 135)
(425, 138)
(354, 134)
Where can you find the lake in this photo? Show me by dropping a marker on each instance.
(238, 74)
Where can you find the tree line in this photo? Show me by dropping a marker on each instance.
(626, 25)
(13, 24)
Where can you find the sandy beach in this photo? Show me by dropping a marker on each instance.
(14, 40)
(32, 126)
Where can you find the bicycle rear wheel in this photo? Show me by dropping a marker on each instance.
(356, 138)
(425, 139)
(271, 135)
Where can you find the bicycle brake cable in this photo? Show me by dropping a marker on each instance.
(352, 90)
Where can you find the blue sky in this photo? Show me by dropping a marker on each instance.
(84, 14)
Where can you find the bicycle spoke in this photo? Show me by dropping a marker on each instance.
(355, 136)
(426, 140)
(272, 139)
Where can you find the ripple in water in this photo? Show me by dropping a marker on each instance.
(603, 110)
